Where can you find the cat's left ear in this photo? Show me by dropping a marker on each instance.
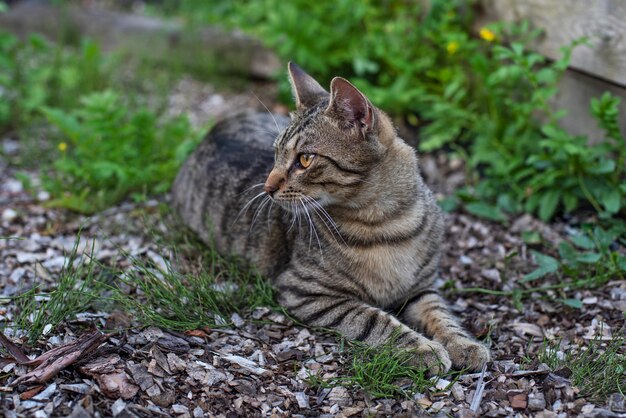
(306, 90)
(349, 105)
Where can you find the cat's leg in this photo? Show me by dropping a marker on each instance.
(319, 306)
(427, 311)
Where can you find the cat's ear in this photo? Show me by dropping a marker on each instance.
(306, 90)
(349, 105)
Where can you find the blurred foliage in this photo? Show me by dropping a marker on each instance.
(485, 96)
(110, 138)
(34, 73)
(112, 151)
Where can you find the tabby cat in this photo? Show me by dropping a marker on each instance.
(343, 224)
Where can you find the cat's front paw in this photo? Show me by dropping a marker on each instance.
(467, 353)
(433, 355)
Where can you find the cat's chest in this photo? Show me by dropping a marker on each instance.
(388, 272)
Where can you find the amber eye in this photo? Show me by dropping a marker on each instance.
(306, 160)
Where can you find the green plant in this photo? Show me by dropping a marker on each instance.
(183, 301)
(108, 151)
(79, 285)
(590, 260)
(478, 96)
(34, 73)
(382, 372)
(599, 369)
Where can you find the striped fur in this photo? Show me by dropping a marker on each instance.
(352, 242)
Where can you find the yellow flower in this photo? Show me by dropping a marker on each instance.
(62, 146)
(487, 35)
(452, 47)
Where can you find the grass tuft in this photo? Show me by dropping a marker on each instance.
(598, 370)
(385, 371)
(206, 297)
(79, 286)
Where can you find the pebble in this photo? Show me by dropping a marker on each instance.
(457, 392)
(117, 407)
(302, 399)
(536, 402)
(340, 396)
(438, 406)
(9, 214)
(180, 409)
(13, 186)
(465, 260)
(42, 196)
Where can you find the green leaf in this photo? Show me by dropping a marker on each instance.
(589, 258)
(484, 210)
(611, 200)
(531, 237)
(583, 241)
(548, 203)
(573, 303)
(546, 264)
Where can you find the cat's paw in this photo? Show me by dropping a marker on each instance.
(433, 355)
(467, 353)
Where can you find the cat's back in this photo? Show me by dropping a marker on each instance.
(215, 181)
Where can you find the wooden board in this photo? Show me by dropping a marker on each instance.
(603, 22)
(575, 93)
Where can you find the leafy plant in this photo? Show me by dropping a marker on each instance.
(479, 95)
(108, 151)
(35, 73)
(590, 260)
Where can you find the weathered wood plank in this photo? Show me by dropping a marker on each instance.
(207, 49)
(575, 93)
(602, 22)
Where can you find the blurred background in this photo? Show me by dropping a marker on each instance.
(517, 105)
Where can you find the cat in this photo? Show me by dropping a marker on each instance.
(343, 224)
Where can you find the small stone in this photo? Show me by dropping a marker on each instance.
(46, 394)
(340, 396)
(237, 320)
(465, 260)
(176, 363)
(153, 391)
(517, 399)
(198, 412)
(43, 195)
(9, 214)
(334, 409)
(438, 406)
(13, 186)
(302, 399)
(536, 402)
(179, 409)
(592, 300)
(491, 274)
(457, 392)
(117, 407)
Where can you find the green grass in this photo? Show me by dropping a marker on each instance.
(598, 369)
(80, 285)
(383, 372)
(204, 290)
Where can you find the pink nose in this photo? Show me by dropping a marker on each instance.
(274, 181)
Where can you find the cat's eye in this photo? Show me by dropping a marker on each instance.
(305, 160)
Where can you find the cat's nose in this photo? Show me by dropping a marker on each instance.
(273, 182)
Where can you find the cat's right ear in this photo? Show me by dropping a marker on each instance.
(306, 90)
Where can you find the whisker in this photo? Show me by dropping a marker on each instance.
(250, 188)
(319, 210)
(247, 206)
(258, 211)
(268, 111)
(312, 224)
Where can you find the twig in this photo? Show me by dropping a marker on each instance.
(480, 389)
